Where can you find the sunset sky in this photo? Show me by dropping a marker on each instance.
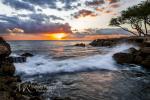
(60, 19)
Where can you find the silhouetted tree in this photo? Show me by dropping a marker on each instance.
(138, 17)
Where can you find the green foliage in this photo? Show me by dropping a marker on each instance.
(138, 17)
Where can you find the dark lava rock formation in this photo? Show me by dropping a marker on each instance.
(139, 57)
(9, 89)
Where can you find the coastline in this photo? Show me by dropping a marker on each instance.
(11, 81)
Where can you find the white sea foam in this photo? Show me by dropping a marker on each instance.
(42, 65)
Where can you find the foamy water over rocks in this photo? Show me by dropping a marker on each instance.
(81, 73)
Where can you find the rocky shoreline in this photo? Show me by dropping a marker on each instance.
(139, 57)
(11, 87)
(115, 41)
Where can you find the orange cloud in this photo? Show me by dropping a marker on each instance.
(100, 9)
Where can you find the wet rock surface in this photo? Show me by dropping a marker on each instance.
(123, 58)
(27, 55)
(80, 45)
(139, 57)
(7, 68)
(8, 80)
(142, 41)
(5, 49)
(104, 42)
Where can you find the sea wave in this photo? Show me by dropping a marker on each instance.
(39, 64)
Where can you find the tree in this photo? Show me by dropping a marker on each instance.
(138, 17)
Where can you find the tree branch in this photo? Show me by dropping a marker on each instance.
(127, 30)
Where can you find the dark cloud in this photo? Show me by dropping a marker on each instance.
(53, 3)
(69, 4)
(40, 17)
(94, 2)
(30, 4)
(55, 17)
(32, 26)
(8, 22)
(43, 3)
(84, 13)
(18, 5)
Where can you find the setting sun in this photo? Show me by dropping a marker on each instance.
(56, 36)
(59, 36)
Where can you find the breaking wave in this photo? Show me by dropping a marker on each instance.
(42, 65)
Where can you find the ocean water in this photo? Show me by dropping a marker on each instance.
(62, 56)
(81, 73)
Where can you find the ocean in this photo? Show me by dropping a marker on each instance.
(81, 73)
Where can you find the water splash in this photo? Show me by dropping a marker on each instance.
(41, 65)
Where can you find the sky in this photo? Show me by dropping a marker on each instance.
(60, 19)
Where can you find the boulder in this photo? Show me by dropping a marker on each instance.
(136, 39)
(97, 42)
(146, 44)
(10, 79)
(138, 59)
(107, 43)
(145, 50)
(146, 63)
(16, 59)
(80, 44)
(122, 58)
(5, 96)
(27, 55)
(7, 69)
(104, 42)
(132, 50)
(5, 49)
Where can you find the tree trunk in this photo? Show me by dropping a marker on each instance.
(146, 31)
(128, 30)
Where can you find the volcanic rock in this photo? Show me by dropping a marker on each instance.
(27, 55)
(122, 58)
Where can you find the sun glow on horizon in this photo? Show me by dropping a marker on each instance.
(56, 36)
